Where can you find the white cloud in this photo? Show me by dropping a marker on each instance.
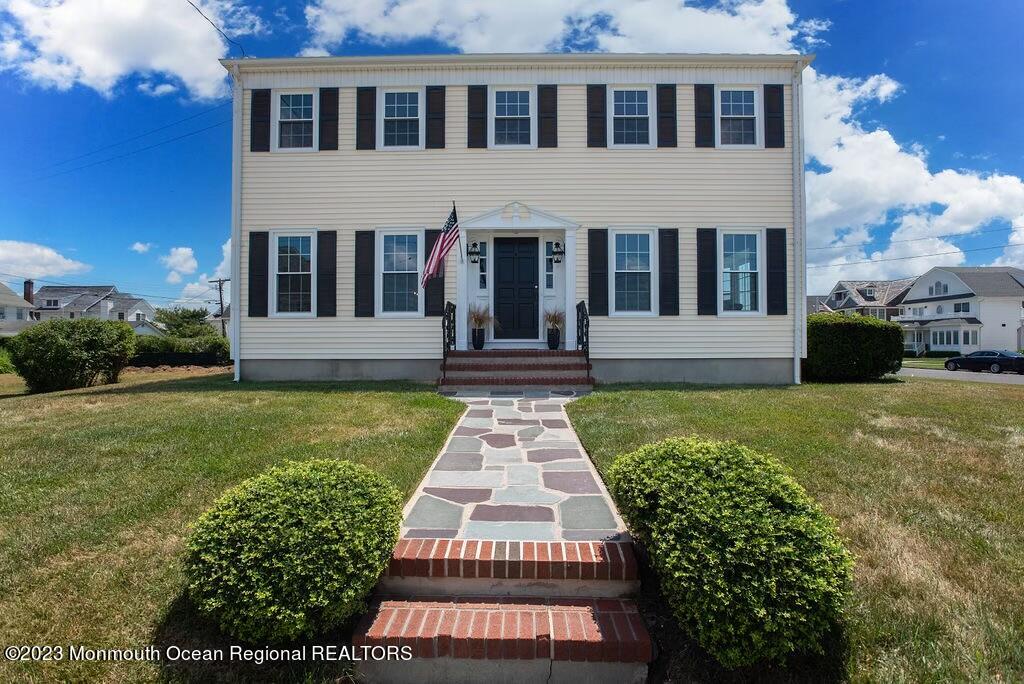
(862, 177)
(97, 43)
(156, 90)
(30, 260)
(180, 261)
(200, 291)
(141, 247)
(173, 277)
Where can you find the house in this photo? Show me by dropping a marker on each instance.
(14, 312)
(818, 304)
(147, 328)
(964, 309)
(664, 193)
(880, 299)
(221, 322)
(90, 301)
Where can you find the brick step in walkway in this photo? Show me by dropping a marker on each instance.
(508, 640)
(487, 379)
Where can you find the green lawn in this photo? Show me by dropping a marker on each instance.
(925, 362)
(927, 484)
(99, 486)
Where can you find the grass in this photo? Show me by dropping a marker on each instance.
(926, 479)
(99, 486)
(925, 362)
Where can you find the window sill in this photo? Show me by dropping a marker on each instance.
(743, 314)
(512, 147)
(613, 146)
(632, 314)
(400, 314)
(401, 148)
(724, 146)
(294, 150)
(305, 314)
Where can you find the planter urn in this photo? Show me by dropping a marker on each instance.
(554, 338)
(479, 334)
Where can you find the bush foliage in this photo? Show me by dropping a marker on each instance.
(183, 322)
(219, 348)
(293, 552)
(5, 361)
(843, 348)
(65, 354)
(750, 565)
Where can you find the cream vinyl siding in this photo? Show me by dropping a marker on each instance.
(685, 188)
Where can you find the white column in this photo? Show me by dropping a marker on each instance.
(461, 295)
(569, 275)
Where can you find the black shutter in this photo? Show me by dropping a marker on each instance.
(328, 118)
(774, 117)
(775, 254)
(327, 273)
(259, 262)
(547, 116)
(435, 118)
(433, 303)
(668, 272)
(366, 118)
(597, 120)
(476, 126)
(597, 271)
(365, 242)
(707, 272)
(704, 115)
(259, 122)
(667, 115)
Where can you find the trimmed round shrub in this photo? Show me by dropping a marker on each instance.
(65, 354)
(293, 552)
(843, 348)
(752, 568)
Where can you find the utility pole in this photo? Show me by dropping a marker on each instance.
(220, 297)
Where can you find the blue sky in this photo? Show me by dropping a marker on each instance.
(913, 118)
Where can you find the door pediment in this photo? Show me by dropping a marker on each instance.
(517, 216)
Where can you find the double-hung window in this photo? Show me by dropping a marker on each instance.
(740, 269)
(962, 307)
(514, 121)
(737, 117)
(295, 114)
(630, 118)
(400, 272)
(294, 284)
(634, 279)
(402, 119)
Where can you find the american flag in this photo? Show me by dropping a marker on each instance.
(445, 241)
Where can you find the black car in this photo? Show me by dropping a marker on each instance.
(992, 361)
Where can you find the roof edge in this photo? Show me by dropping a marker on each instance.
(504, 59)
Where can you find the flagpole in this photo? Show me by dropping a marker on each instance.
(461, 250)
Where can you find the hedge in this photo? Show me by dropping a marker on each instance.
(843, 348)
(752, 568)
(209, 350)
(293, 552)
(65, 354)
(5, 361)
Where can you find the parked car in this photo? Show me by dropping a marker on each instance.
(992, 361)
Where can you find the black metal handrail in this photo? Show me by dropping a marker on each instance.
(583, 332)
(447, 335)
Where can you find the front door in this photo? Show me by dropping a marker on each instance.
(516, 293)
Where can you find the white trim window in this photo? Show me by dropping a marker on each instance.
(736, 110)
(513, 118)
(19, 314)
(483, 264)
(400, 268)
(630, 119)
(400, 119)
(634, 281)
(55, 303)
(293, 263)
(961, 307)
(295, 114)
(741, 272)
(549, 265)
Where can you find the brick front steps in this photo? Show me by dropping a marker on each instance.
(516, 367)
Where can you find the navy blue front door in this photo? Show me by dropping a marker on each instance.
(516, 292)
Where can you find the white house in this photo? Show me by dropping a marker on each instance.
(90, 301)
(663, 192)
(964, 309)
(14, 312)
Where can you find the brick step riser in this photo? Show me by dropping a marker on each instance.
(515, 353)
(524, 366)
(489, 380)
(462, 587)
(548, 375)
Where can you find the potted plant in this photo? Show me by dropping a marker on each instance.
(479, 318)
(554, 321)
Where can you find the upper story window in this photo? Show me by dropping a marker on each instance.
(741, 272)
(294, 121)
(19, 314)
(400, 272)
(737, 117)
(514, 118)
(401, 119)
(962, 307)
(634, 281)
(120, 315)
(939, 288)
(293, 273)
(869, 292)
(52, 303)
(140, 316)
(839, 295)
(630, 119)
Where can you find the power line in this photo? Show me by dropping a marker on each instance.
(917, 256)
(133, 138)
(930, 237)
(128, 154)
(235, 43)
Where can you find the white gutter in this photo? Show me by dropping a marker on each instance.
(236, 216)
(799, 226)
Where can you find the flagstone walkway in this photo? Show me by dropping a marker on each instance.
(513, 470)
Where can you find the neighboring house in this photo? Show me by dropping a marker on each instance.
(221, 323)
(882, 299)
(964, 309)
(14, 312)
(663, 191)
(147, 328)
(818, 304)
(90, 301)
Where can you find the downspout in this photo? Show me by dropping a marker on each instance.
(799, 225)
(236, 217)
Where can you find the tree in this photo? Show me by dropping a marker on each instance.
(184, 322)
